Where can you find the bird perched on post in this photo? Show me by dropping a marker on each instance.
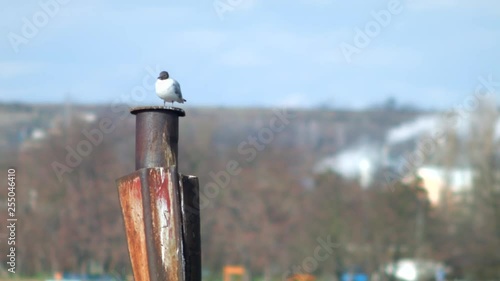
(168, 89)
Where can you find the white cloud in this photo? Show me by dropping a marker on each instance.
(312, 47)
(155, 16)
(242, 58)
(203, 39)
(480, 38)
(188, 43)
(333, 56)
(389, 56)
(318, 2)
(248, 4)
(421, 5)
(12, 69)
(294, 100)
(484, 5)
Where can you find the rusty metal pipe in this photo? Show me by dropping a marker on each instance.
(163, 234)
(157, 136)
(191, 227)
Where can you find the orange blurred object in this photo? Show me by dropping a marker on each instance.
(302, 277)
(230, 271)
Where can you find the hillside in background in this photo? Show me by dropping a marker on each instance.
(303, 175)
(322, 131)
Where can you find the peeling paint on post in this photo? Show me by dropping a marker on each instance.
(163, 232)
(131, 203)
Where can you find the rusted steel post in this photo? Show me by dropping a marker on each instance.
(157, 136)
(160, 207)
(192, 232)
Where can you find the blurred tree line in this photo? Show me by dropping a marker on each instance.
(271, 215)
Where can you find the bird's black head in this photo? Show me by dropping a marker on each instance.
(163, 75)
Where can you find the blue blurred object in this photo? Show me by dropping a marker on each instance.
(360, 277)
(440, 274)
(347, 276)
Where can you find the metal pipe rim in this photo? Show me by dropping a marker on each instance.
(166, 109)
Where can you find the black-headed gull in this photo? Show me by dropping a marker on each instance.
(168, 89)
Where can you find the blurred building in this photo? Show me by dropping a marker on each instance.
(440, 182)
(359, 162)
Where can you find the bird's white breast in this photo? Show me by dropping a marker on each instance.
(165, 89)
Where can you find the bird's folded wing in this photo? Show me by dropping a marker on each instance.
(177, 89)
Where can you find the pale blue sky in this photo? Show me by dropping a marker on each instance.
(262, 53)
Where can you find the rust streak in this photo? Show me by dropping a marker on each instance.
(165, 207)
(129, 189)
